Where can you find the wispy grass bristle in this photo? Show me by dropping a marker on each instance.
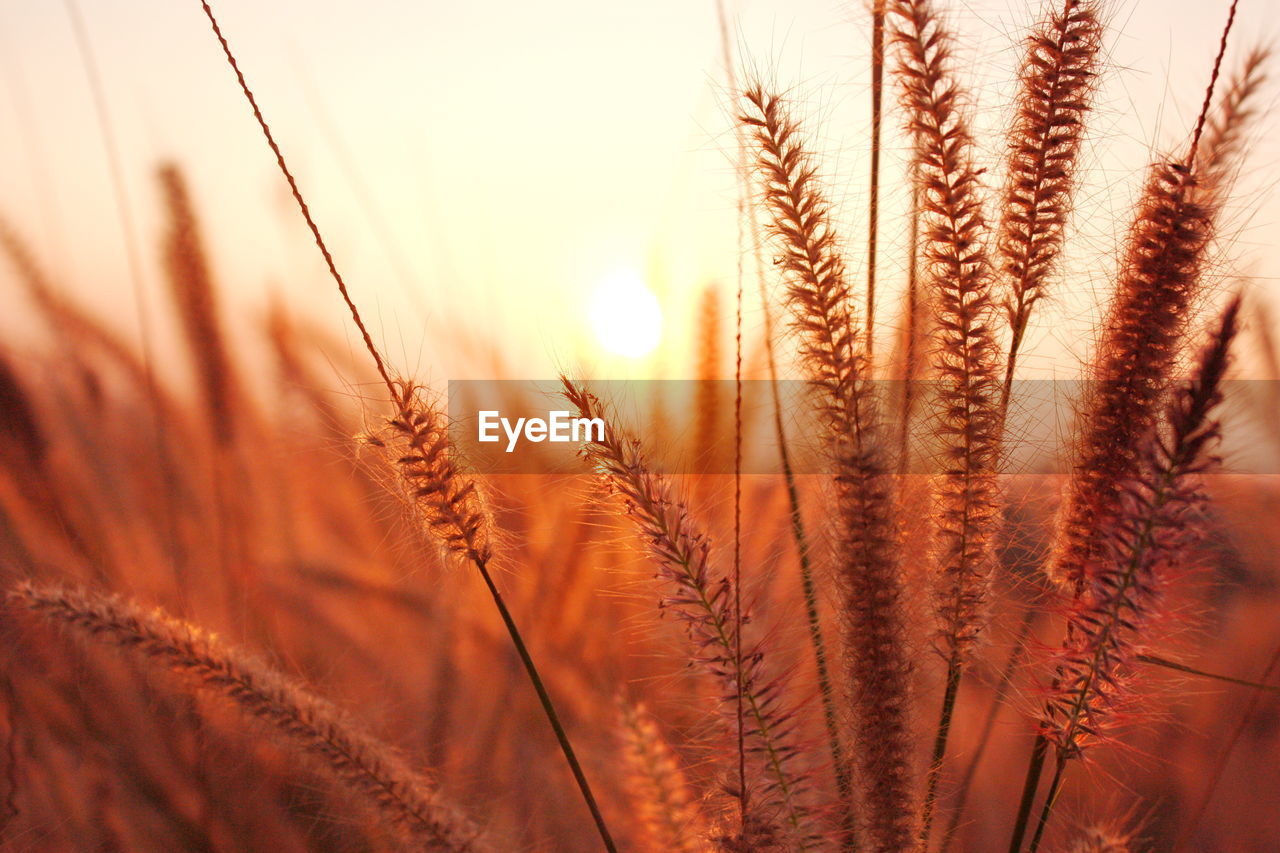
(312, 726)
(866, 563)
(772, 799)
(1101, 840)
(1058, 78)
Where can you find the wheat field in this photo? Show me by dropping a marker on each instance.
(846, 590)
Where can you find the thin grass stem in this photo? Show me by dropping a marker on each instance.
(954, 671)
(1050, 800)
(548, 707)
(873, 214)
(1035, 768)
(988, 726)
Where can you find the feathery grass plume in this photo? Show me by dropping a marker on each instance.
(1159, 277)
(417, 436)
(867, 571)
(771, 797)
(1058, 80)
(364, 765)
(799, 534)
(666, 809)
(452, 509)
(194, 295)
(1145, 543)
(957, 273)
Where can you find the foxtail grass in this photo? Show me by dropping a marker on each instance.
(771, 792)
(1058, 77)
(310, 725)
(445, 497)
(666, 807)
(958, 274)
(1144, 546)
(194, 294)
(867, 573)
(1159, 279)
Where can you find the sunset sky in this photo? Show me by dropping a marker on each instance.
(482, 169)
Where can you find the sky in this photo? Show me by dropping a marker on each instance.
(482, 170)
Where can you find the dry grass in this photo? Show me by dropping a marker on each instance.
(982, 637)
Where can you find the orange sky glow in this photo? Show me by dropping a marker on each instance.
(481, 169)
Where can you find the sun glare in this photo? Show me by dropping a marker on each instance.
(625, 315)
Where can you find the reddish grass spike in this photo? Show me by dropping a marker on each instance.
(958, 274)
(448, 499)
(867, 572)
(1145, 542)
(775, 811)
(1058, 77)
(364, 765)
(1159, 277)
(195, 296)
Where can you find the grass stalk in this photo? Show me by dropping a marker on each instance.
(837, 368)
(400, 394)
(548, 708)
(952, 690)
(364, 765)
(804, 557)
(988, 726)
(873, 212)
(1050, 800)
(703, 599)
(1035, 768)
(1058, 75)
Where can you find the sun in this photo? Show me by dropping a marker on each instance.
(625, 315)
